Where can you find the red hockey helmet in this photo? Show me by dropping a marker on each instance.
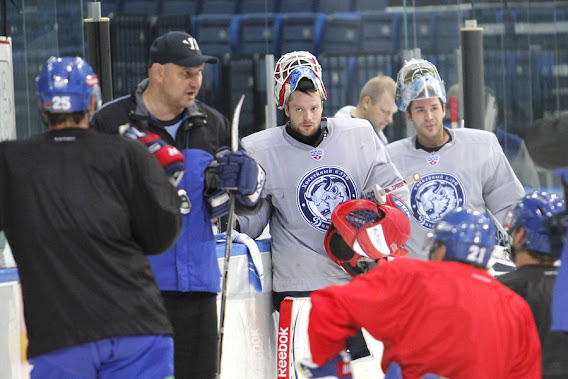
(362, 233)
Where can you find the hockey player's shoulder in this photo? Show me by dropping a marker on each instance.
(473, 135)
(264, 139)
(401, 144)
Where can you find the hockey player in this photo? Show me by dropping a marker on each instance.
(448, 316)
(312, 164)
(376, 104)
(459, 167)
(537, 232)
(80, 210)
(546, 141)
(188, 274)
(513, 145)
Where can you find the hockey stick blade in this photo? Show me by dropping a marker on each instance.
(235, 125)
(378, 195)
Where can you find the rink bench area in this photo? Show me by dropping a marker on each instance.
(249, 347)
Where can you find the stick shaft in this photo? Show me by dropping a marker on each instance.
(405, 182)
(229, 240)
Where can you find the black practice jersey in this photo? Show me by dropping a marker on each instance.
(535, 284)
(80, 209)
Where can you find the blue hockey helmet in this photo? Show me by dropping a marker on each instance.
(469, 236)
(66, 84)
(540, 214)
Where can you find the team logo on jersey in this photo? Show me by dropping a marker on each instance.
(434, 196)
(320, 190)
(433, 160)
(316, 154)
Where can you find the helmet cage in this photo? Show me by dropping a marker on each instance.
(418, 79)
(290, 69)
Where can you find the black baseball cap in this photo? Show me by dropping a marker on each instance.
(179, 48)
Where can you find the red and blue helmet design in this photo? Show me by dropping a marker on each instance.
(290, 69)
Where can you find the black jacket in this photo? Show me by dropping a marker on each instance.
(535, 284)
(191, 264)
(204, 128)
(80, 210)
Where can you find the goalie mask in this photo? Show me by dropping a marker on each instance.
(290, 69)
(418, 79)
(362, 233)
(67, 85)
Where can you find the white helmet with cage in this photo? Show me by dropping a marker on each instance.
(292, 67)
(418, 79)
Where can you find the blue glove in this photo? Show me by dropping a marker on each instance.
(237, 170)
(394, 371)
(217, 203)
(337, 367)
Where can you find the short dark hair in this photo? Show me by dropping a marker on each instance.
(60, 118)
(409, 110)
(306, 86)
(543, 258)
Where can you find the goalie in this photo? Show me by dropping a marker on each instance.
(448, 317)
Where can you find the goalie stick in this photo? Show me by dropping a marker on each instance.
(229, 240)
(378, 195)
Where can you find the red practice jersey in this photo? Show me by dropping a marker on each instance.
(447, 318)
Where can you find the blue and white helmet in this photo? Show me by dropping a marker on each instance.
(418, 79)
(539, 213)
(292, 67)
(66, 84)
(469, 236)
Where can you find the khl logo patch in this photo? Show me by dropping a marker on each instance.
(316, 154)
(433, 160)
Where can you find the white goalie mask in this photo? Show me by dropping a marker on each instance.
(292, 67)
(418, 79)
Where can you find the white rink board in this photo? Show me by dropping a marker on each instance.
(249, 341)
(7, 122)
(10, 331)
(7, 106)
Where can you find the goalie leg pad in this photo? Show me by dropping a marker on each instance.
(292, 340)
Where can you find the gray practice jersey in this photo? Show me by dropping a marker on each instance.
(303, 185)
(471, 170)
